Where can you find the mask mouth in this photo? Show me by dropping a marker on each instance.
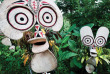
(40, 43)
(37, 41)
(93, 52)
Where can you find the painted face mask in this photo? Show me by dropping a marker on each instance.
(87, 39)
(18, 16)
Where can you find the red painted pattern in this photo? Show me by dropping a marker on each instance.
(37, 27)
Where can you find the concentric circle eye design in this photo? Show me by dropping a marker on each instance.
(47, 16)
(20, 18)
(100, 41)
(87, 40)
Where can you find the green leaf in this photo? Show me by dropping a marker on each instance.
(12, 50)
(72, 27)
(0, 67)
(0, 53)
(90, 25)
(66, 45)
(72, 72)
(72, 44)
(66, 55)
(76, 62)
(16, 53)
(104, 57)
(65, 39)
(72, 64)
(82, 60)
(76, 33)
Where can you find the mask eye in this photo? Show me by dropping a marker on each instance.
(100, 41)
(20, 18)
(50, 16)
(87, 40)
(47, 16)
(101, 36)
(86, 36)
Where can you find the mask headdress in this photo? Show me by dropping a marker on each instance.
(101, 36)
(88, 39)
(34, 5)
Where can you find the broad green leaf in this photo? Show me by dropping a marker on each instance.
(77, 63)
(76, 33)
(104, 57)
(66, 55)
(65, 39)
(72, 44)
(16, 53)
(66, 45)
(72, 64)
(72, 27)
(12, 50)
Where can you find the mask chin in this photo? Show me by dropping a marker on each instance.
(43, 62)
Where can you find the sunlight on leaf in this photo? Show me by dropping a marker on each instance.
(104, 57)
(82, 60)
(97, 60)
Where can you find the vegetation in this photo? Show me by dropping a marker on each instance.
(68, 49)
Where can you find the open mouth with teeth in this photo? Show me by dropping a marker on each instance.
(93, 54)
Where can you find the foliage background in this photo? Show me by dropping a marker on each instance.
(70, 52)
